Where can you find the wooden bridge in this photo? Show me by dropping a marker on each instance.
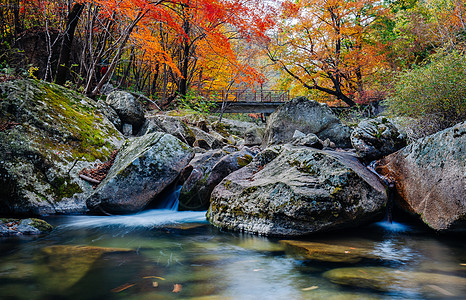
(247, 101)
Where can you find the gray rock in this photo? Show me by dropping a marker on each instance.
(236, 127)
(387, 280)
(17, 227)
(375, 138)
(298, 134)
(60, 132)
(128, 108)
(308, 140)
(127, 129)
(430, 177)
(110, 113)
(209, 169)
(170, 125)
(253, 136)
(305, 116)
(143, 168)
(212, 139)
(292, 191)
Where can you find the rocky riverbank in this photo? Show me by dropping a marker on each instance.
(307, 176)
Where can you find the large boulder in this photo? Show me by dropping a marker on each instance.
(48, 135)
(170, 125)
(430, 177)
(306, 116)
(143, 168)
(208, 170)
(292, 191)
(375, 138)
(128, 109)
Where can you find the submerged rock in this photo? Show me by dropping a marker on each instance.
(56, 133)
(16, 227)
(387, 280)
(291, 191)
(209, 169)
(328, 252)
(305, 116)
(375, 138)
(62, 266)
(143, 168)
(430, 176)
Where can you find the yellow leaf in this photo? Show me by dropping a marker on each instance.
(122, 287)
(310, 288)
(155, 277)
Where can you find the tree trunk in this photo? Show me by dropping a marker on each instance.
(65, 51)
(183, 87)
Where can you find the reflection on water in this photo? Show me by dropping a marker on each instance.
(161, 254)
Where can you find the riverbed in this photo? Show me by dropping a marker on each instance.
(163, 254)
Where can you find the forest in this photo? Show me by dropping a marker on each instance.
(123, 176)
(406, 54)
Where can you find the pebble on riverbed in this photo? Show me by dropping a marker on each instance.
(18, 227)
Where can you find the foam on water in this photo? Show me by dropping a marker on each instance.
(149, 218)
(393, 226)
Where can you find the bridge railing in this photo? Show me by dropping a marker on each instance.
(247, 95)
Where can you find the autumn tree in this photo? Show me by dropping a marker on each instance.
(327, 45)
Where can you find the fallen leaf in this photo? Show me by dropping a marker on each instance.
(155, 277)
(310, 288)
(122, 287)
(177, 288)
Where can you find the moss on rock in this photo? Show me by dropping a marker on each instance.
(60, 132)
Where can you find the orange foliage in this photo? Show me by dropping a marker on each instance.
(326, 45)
(203, 27)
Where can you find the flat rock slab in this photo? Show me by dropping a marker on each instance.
(328, 252)
(387, 280)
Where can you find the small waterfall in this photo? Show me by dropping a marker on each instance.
(388, 224)
(171, 200)
(166, 212)
(390, 190)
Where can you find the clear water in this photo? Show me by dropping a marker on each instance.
(164, 254)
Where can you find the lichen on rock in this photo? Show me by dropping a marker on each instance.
(292, 191)
(60, 132)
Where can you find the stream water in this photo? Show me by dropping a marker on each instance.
(164, 254)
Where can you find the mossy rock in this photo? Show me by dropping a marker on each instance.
(59, 133)
(17, 227)
(294, 191)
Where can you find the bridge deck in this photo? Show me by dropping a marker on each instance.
(246, 107)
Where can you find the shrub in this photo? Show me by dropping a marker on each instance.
(433, 95)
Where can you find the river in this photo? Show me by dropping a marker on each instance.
(164, 254)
